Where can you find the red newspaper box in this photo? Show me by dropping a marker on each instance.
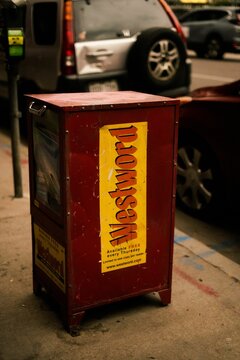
(102, 193)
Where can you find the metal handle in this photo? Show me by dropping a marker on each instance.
(102, 52)
(37, 111)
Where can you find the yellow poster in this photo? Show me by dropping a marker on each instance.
(50, 256)
(123, 173)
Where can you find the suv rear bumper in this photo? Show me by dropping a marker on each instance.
(77, 83)
(81, 84)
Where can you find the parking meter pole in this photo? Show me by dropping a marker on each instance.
(12, 41)
(12, 70)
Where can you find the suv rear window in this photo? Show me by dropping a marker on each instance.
(109, 19)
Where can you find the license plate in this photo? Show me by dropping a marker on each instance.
(111, 85)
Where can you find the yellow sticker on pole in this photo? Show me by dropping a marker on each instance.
(15, 37)
(123, 191)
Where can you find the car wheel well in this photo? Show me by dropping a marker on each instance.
(156, 60)
(213, 46)
(214, 35)
(191, 136)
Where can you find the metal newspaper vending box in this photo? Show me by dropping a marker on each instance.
(102, 181)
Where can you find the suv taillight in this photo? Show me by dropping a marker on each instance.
(174, 20)
(68, 59)
(238, 18)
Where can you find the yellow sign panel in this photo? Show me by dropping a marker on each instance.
(50, 256)
(123, 173)
(15, 37)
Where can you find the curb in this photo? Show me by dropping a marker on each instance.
(212, 256)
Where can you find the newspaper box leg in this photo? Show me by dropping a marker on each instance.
(74, 323)
(165, 297)
(37, 287)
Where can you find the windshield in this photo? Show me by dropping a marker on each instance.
(109, 19)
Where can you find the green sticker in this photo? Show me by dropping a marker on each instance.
(15, 51)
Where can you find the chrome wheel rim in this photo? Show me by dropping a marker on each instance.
(163, 60)
(194, 178)
(213, 48)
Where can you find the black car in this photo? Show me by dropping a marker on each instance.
(212, 31)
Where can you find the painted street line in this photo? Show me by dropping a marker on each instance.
(212, 77)
(202, 251)
(204, 288)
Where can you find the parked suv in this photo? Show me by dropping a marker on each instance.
(96, 45)
(213, 31)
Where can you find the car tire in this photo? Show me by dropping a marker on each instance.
(156, 59)
(200, 190)
(213, 48)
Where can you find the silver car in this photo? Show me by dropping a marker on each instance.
(102, 45)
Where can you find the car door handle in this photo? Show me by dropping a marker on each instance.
(101, 52)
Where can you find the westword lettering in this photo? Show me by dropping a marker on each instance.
(125, 228)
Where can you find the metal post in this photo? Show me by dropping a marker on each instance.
(12, 70)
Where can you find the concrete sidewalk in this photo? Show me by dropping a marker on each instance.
(201, 323)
